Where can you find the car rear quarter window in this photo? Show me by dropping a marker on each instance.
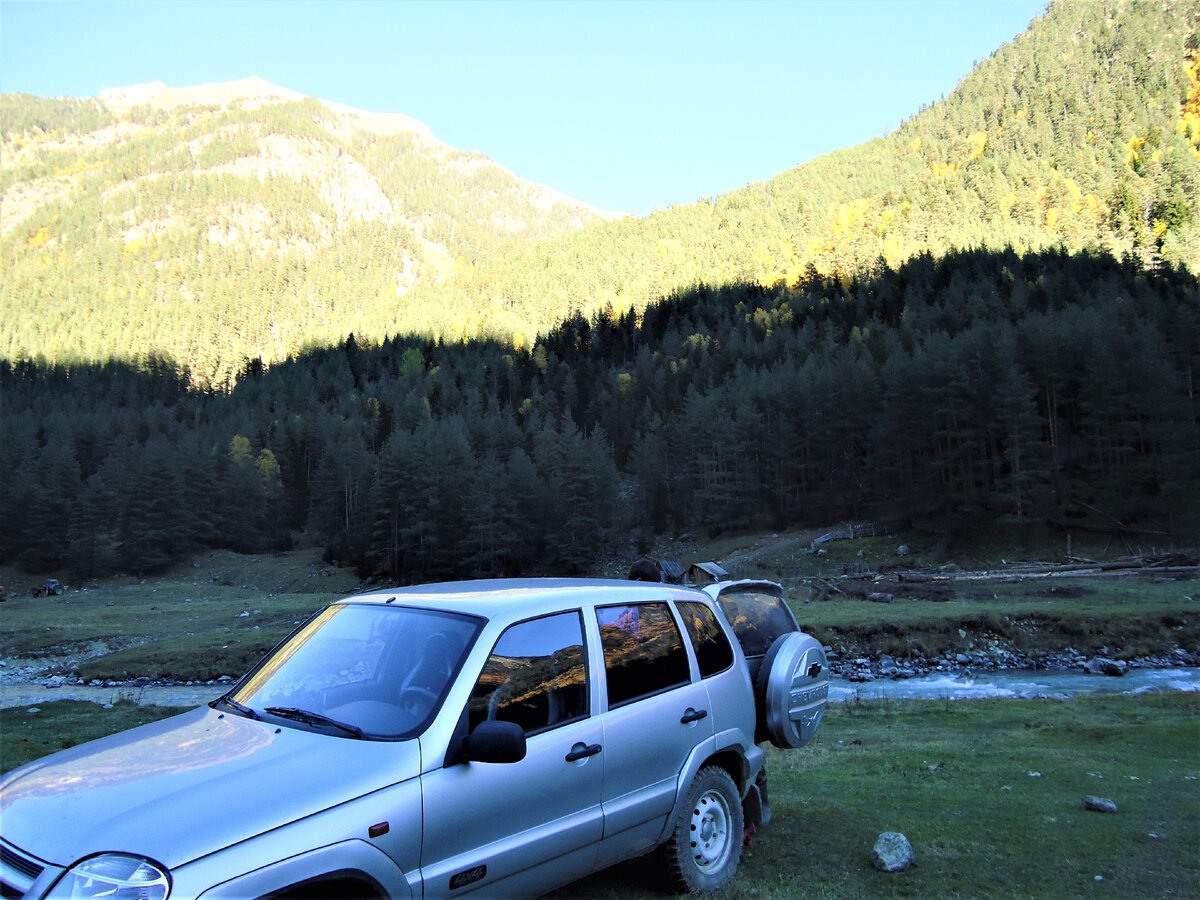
(713, 651)
(643, 651)
(536, 676)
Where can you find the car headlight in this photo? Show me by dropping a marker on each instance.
(113, 876)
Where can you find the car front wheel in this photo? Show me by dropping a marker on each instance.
(703, 851)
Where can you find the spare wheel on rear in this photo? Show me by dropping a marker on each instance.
(791, 691)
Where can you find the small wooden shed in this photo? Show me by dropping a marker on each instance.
(700, 574)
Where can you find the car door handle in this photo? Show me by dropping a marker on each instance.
(693, 715)
(582, 750)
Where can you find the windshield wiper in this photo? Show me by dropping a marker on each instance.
(313, 718)
(238, 707)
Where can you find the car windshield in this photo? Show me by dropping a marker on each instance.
(359, 670)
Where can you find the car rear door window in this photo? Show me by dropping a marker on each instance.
(536, 676)
(643, 651)
(713, 650)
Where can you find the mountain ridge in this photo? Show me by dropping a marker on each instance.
(259, 91)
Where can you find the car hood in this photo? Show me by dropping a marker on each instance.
(187, 786)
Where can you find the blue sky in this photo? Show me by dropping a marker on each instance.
(625, 105)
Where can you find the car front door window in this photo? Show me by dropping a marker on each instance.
(536, 676)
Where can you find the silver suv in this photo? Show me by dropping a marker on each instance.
(504, 737)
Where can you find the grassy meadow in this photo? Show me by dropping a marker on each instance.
(218, 614)
(989, 793)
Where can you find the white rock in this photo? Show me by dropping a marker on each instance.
(893, 852)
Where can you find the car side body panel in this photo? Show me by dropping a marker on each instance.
(646, 745)
(537, 821)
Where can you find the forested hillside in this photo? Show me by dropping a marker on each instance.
(1083, 134)
(947, 395)
(213, 235)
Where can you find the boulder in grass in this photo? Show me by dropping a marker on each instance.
(1099, 804)
(893, 852)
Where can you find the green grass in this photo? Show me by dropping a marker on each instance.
(1124, 618)
(989, 792)
(186, 625)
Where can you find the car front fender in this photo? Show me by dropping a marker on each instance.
(349, 860)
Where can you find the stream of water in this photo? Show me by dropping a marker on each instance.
(1013, 684)
(1018, 685)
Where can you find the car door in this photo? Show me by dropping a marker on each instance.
(524, 827)
(656, 714)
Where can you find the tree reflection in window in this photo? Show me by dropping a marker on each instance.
(713, 652)
(536, 675)
(758, 617)
(643, 651)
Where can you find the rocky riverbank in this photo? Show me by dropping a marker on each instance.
(38, 676)
(863, 668)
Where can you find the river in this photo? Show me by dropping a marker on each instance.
(1022, 684)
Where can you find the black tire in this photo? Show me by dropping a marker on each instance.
(705, 846)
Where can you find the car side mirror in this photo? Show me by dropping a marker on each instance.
(495, 742)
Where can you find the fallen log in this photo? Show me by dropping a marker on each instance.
(1009, 577)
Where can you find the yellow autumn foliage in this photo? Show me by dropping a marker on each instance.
(1133, 150)
(267, 465)
(38, 238)
(80, 165)
(976, 144)
(850, 216)
(1189, 115)
(668, 247)
(892, 253)
(239, 448)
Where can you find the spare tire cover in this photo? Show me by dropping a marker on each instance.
(791, 690)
